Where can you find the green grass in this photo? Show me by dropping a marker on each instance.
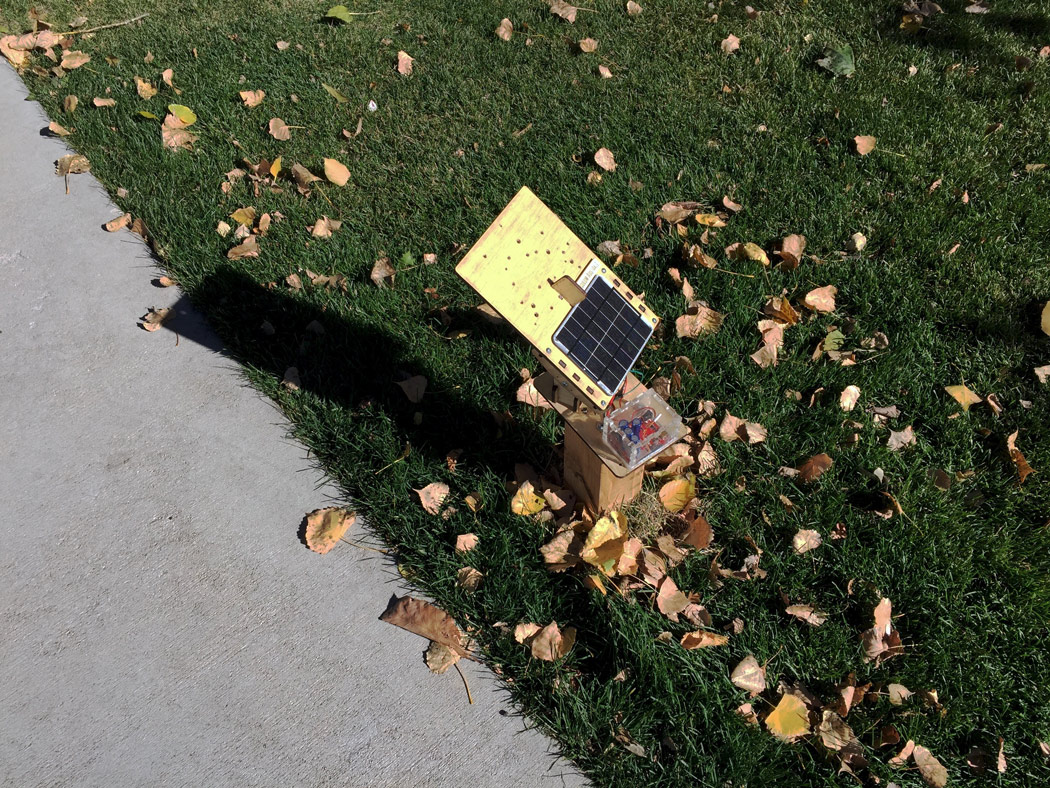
(966, 569)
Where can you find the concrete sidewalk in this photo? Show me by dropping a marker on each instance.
(160, 622)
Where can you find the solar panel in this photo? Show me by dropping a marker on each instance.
(604, 335)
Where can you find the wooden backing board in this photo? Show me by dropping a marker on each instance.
(514, 267)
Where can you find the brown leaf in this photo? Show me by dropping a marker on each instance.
(791, 250)
(119, 223)
(383, 273)
(932, 770)
(165, 281)
(752, 251)
(426, 620)
(814, 467)
(589, 45)
(551, 644)
(805, 540)
(732, 207)
(72, 164)
(325, 527)
(414, 387)
(253, 98)
(700, 319)
(174, 134)
(74, 59)
(432, 496)
(898, 693)
(466, 542)
(864, 144)
(963, 396)
(1044, 318)
(669, 599)
(702, 639)
(835, 734)
(528, 394)
(69, 103)
(807, 613)
(1023, 468)
(604, 159)
(821, 299)
(563, 551)
(849, 397)
(675, 212)
(780, 309)
(677, 493)
(898, 440)
(505, 29)
(749, 675)
(698, 532)
(564, 10)
(605, 72)
(404, 63)
(336, 172)
(469, 578)
(144, 88)
(279, 130)
(324, 227)
(103, 102)
(1042, 373)
(730, 44)
(58, 129)
(440, 657)
(248, 248)
(155, 318)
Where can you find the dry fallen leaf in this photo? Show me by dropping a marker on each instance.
(59, 129)
(807, 613)
(963, 396)
(700, 319)
(791, 250)
(174, 134)
(849, 397)
(248, 248)
(426, 620)
(551, 644)
(730, 44)
(325, 527)
(119, 223)
(702, 639)
(440, 657)
(414, 387)
(605, 72)
(564, 10)
(466, 542)
(898, 440)
(790, 718)
(677, 493)
(324, 227)
(469, 579)
(749, 675)
(1023, 468)
(805, 540)
(814, 467)
(526, 501)
(834, 733)
(144, 88)
(432, 496)
(932, 770)
(898, 694)
(72, 164)
(505, 29)
(633, 9)
(252, 98)
(821, 299)
(864, 144)
(74, 59)
(1044, 320)
(404, 63)
(104, 102)
(279, 130)
(155, 318)
(603, 158)
(336, 172)
(588, 45)
(383, 273)
(1042, 374)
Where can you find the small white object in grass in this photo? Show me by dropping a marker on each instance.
(372, 106)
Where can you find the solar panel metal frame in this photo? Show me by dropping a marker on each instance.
(604, 335)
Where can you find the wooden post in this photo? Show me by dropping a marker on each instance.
(592, 479)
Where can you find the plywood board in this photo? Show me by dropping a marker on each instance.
(515, 265)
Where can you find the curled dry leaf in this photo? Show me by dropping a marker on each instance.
(426, 620)
(864, 144)
(931, 769)
(74, 59)
(291, 380)
(144, 88)
(807, 613)
(525, 501)
(551, 644)
(898, 440)
(440, 657)
(702, 639)
(404, 63)
(119, 223)
(279, 130)
(104, 102)
(252, 98)
(676, 494)
(633, 9)
(58, 129)
(898, 694)
(155, 318)
(1042, 374)
(791, 250)
(669, 599)
(821, 299)
(72, 164)
(528, 394)
(588, 45)
(834, 733)
(700, 319)
(383, 273)
(790, 718)
(849, 398)
(749, 675)
(336, 172)
(805, 540)
(605, 72)
(603, 158)
(1023, 468)
(432, 496)
(248, 248)
(730, 44)
(469, 578)
(857, 242)
(466, 542)
(324, 227)
(174, 134)
(564, 10)
(814, 467)
(963, 396)
(752, 251)
(325, 527)
(505, 29)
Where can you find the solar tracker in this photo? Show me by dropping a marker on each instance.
(604, 335)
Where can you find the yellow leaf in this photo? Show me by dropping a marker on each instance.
(245, 216)
(709, 220)
(275, 168)
(325, 527)
(677, 493)
(183, 113)
(753, 251)
(963, 396)
(1045, 322)
(526, 501)
(605, 541)
(702, 639)
(789, 719)
(336, 172)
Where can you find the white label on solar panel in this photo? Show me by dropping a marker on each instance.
(603, 334)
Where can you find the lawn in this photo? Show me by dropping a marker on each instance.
(955, 277)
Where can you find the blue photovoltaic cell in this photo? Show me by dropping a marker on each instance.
(604, 335)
